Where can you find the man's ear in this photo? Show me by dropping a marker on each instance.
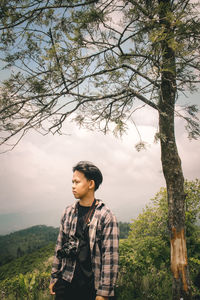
(92, 184)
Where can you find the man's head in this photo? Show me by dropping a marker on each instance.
(90, 171)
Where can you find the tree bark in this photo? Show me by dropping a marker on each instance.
(171, 165)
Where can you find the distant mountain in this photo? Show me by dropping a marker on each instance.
(19, 243)
(12, 222)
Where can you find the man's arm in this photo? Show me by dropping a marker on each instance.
(57, 262)
(51, 289)
(110, 257)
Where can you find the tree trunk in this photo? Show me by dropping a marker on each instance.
(176, 206)
(171, 165)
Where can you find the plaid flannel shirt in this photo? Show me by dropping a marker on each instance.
(104, 242)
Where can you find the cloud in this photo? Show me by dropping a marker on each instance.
(35, 178)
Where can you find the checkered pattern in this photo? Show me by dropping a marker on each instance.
(104, 241)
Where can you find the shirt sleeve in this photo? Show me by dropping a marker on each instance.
(110, 257)
(57, 262)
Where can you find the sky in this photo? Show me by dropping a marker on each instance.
(35, 177)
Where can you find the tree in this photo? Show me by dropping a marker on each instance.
(124, 228)
(99, 60)
(144, 256)
(20, 252)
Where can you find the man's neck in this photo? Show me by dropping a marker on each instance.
(86, 201)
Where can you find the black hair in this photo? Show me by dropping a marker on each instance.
(90, 171)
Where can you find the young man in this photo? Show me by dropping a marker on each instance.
(86, 257)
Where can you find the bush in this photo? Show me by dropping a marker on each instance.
(145, 254)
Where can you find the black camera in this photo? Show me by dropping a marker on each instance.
(69, 248)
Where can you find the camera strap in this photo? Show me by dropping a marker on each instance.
(90, 213)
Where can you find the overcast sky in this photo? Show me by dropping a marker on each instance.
(35, 178)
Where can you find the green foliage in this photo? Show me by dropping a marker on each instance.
(27, 262)
(145, 254)
(32, 286)
(27, 277)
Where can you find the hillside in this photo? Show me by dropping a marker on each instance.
(27, 277)
(20, 243)
(38, 259)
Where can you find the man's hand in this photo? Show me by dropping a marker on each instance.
(51, 288)
(101, 298)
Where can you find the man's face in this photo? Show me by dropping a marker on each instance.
(81, 186)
